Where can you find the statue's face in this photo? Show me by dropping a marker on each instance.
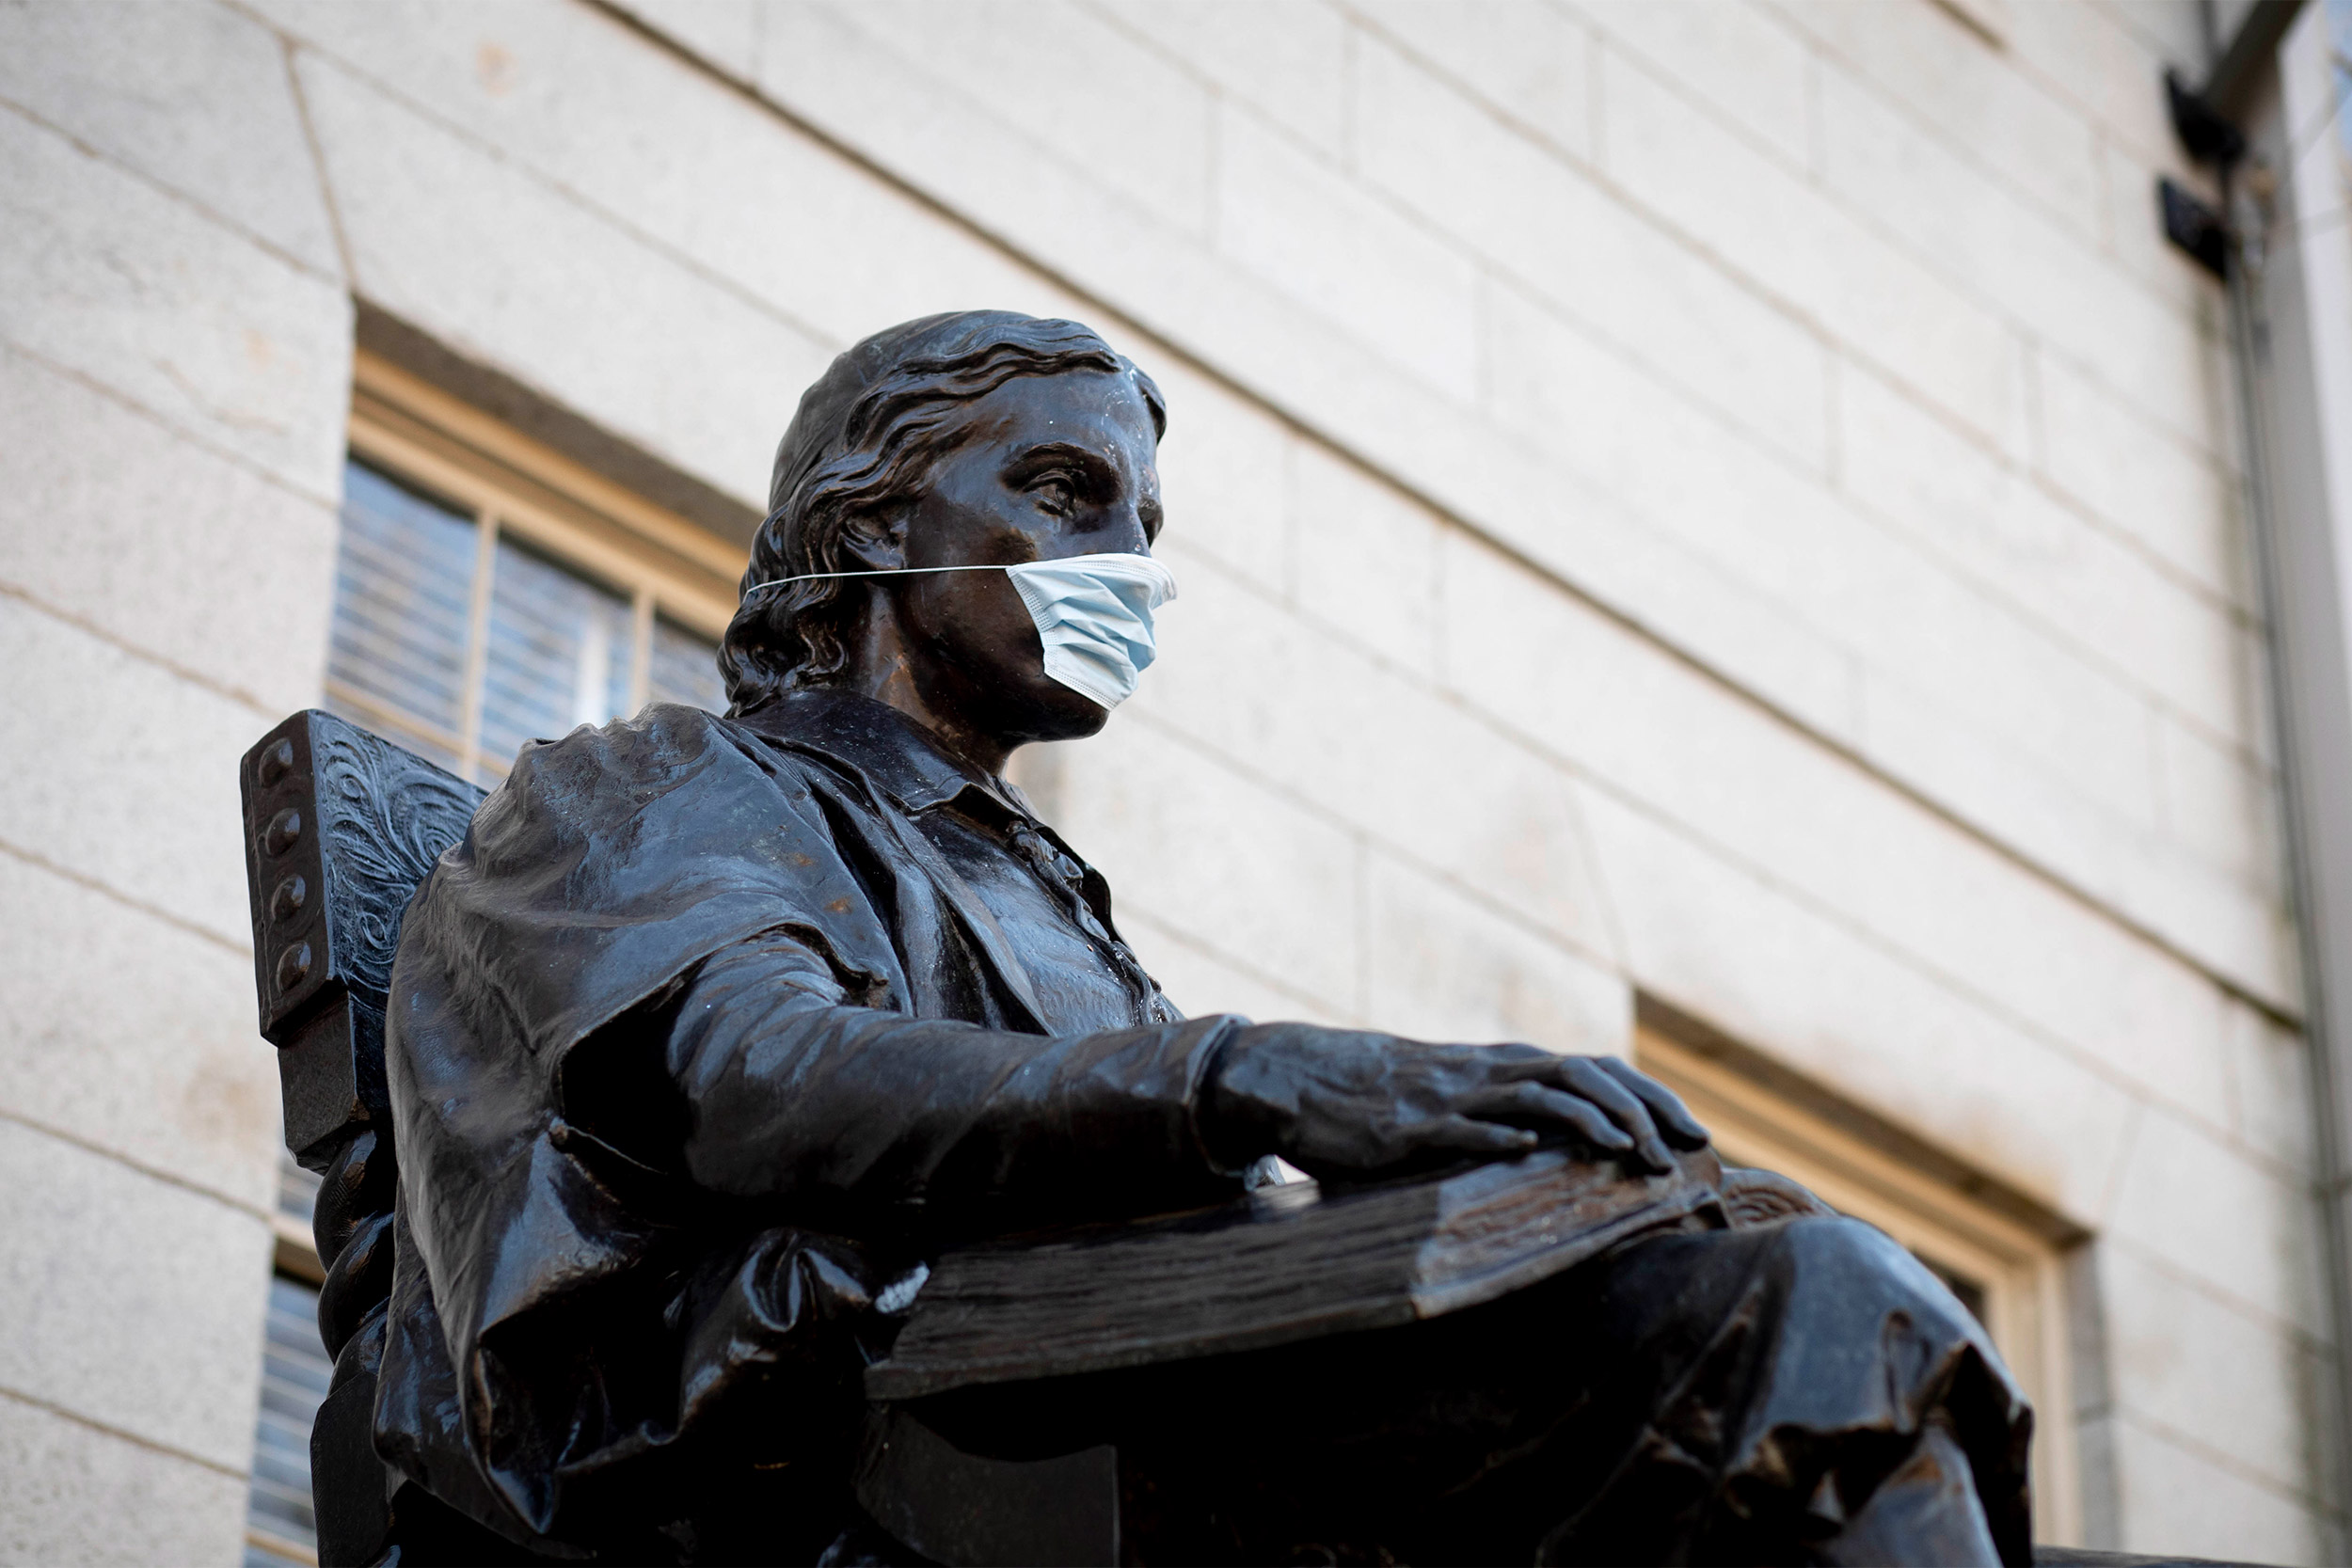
(1048, 466)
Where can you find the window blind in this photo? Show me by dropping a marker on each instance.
(463, 643)
(279, 1526)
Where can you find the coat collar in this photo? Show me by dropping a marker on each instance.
(906, 762)
(904, 759)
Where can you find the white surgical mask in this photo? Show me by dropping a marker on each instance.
(1093, 614)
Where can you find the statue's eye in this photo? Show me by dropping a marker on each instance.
(1055, 493)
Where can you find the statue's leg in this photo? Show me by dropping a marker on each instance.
(1395, 1445)
(1926, 1511)
(1806, 1392)
(1747, 1396)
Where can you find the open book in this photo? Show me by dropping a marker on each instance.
(1289, 1263)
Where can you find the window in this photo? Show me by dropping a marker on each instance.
(487, 593)
(295, 1368)
(2003, 1259)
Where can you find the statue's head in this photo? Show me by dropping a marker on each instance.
(981, 437)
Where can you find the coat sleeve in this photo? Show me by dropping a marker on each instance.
(781, 1089)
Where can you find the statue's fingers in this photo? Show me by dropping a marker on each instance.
(1516, 1063)
(1479, 1137)
(1586, 1077)
(1583, 1075)
(1674, 1119)
(1587, 1121)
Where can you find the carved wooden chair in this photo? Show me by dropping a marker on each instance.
(340, 828)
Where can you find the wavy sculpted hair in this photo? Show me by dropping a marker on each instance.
(860, 446)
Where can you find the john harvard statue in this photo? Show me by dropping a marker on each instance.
(716, 1041)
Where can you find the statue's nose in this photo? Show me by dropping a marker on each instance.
(1127, 527)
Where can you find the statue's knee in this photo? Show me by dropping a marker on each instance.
(1862, 1266)
(1835, 1241)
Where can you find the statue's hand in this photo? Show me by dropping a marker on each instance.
(1340, 1101)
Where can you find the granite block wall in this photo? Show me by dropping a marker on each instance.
(1726, 502)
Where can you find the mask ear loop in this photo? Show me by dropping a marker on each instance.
(876, 572)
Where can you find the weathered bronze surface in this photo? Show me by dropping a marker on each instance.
(794, 1163)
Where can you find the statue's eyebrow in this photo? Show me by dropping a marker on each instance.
(1097, 468)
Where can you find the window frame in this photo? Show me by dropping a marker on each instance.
(508, 484)
(2020, 1265)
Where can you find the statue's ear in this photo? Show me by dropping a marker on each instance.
(875, 540)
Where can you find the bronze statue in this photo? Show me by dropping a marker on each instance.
(714, 1036)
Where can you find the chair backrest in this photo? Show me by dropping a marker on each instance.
(341, 826)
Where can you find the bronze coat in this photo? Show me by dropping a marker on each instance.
(696, 1043)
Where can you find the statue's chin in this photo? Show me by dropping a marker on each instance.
(1065, 715)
